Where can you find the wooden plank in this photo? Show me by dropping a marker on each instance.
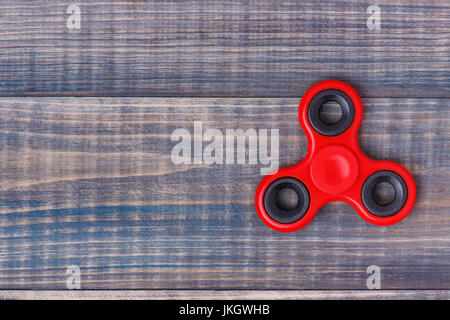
(224, 294)
(214, 48)
(90, 182)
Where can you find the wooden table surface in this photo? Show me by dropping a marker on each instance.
(86, 118)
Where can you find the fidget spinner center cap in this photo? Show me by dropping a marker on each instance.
(334, 169)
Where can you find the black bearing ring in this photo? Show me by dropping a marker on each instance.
(401, 193)
(348, 112)
(286, 216)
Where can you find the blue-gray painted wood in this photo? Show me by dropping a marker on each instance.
(89, 182)
(214, 48)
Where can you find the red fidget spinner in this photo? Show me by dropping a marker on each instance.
(334, 169)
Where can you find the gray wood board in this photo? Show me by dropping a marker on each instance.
(224, 294)
(223, 49)
(90, 182)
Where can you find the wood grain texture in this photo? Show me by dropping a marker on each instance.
(224, 294)
(214, 48)
(89, 182)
